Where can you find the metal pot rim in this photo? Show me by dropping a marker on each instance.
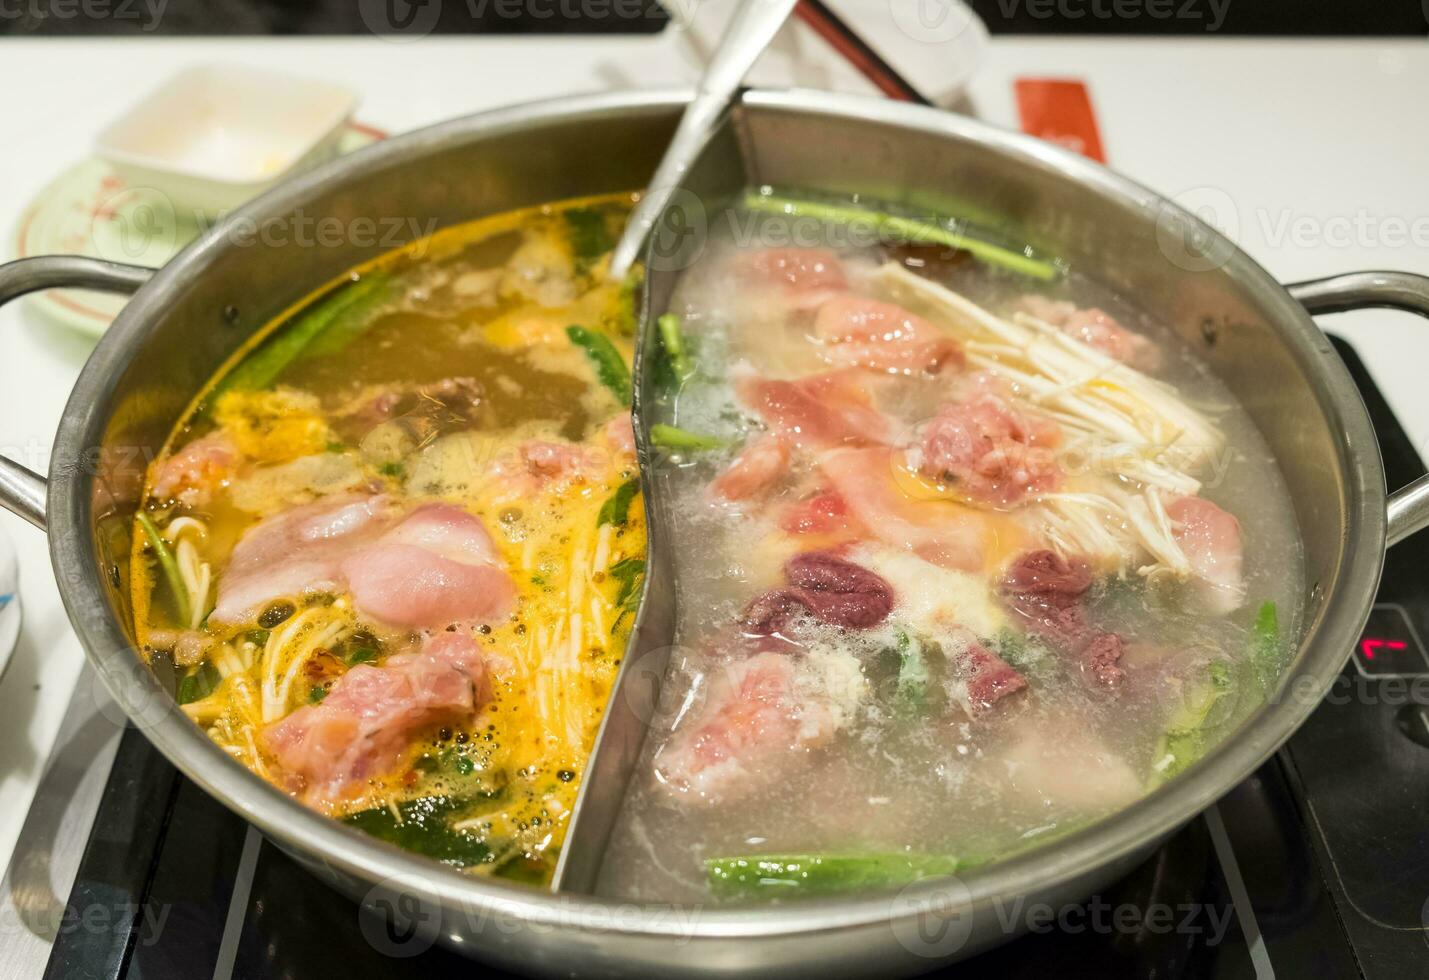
(1331, 633)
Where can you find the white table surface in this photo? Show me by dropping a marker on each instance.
(1318, 151)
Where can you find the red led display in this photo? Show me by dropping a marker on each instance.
(1389, 646)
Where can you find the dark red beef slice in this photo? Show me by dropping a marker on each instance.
(1046, 590)
(989, 679)
(827, 587)
(1057, 581)
(1101, 658)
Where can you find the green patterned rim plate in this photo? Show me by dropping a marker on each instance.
(88, 210)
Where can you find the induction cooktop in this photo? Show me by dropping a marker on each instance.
(1317, 865)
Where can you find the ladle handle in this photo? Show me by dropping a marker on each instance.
(754, 25)
(22, 491)
(1408, 509)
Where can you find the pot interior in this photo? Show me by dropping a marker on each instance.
(268, 256)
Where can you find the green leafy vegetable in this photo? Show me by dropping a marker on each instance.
(1195, 726)
(198, 684)
(628, 572)
(528, 871)
(354, 318)
(1027, 655)
(394, 470)
(772, 876)
(616, 509)
(316, 693)
(183, 604)
(672, 338)
(626, 317)
(360, 655)
(457, 774)
(345, 311)
(1266, 652)
(609, 366)
(424, 826)
(672, 437)
(906, 229)
(911, 695)
(589, 235)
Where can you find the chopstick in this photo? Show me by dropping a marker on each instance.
(855, 50)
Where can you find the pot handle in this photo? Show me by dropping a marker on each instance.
(1408, 509)
(22, 491)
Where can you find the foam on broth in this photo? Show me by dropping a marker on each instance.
(943, 783)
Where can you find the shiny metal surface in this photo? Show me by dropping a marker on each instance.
(197, 311)
(750, 31)
(1408, 509)
(47, 853)
(22, 492)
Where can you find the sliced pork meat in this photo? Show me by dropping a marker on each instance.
(754, 471)
(1210, 539)
(420, 412)
(542, 465)
(619, 433)
(434, 567)
(854, 331)
(751, 720)
(938, 531)
(821, 411)
(1063, 763)
(988, 450)
(372, 715)
(802, 272)
(196, 472)
(823, 513)
(1096, 328)
(296, 553)
(548, 461)
(437, 566)
(831, 589)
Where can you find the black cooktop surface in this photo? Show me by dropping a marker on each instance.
(1318, 865)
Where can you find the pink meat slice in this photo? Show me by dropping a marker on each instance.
(194, 473)
(372, 715)
(619, 433)
(1096, 328)
(297, 552)
(824, 512)
(821, 411)
(798, 270)
(1211, 540)
(990, 451)
(433, 567)
(854, 331)
(757, 468)
(754, 724)
(437, 566)
(866, 481)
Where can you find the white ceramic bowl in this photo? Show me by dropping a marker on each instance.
(213, 137)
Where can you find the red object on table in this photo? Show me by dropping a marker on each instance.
(1060, 111)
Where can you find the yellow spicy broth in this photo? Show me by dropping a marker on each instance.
(490, 301)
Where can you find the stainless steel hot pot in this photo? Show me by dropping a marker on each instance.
(186, 319)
